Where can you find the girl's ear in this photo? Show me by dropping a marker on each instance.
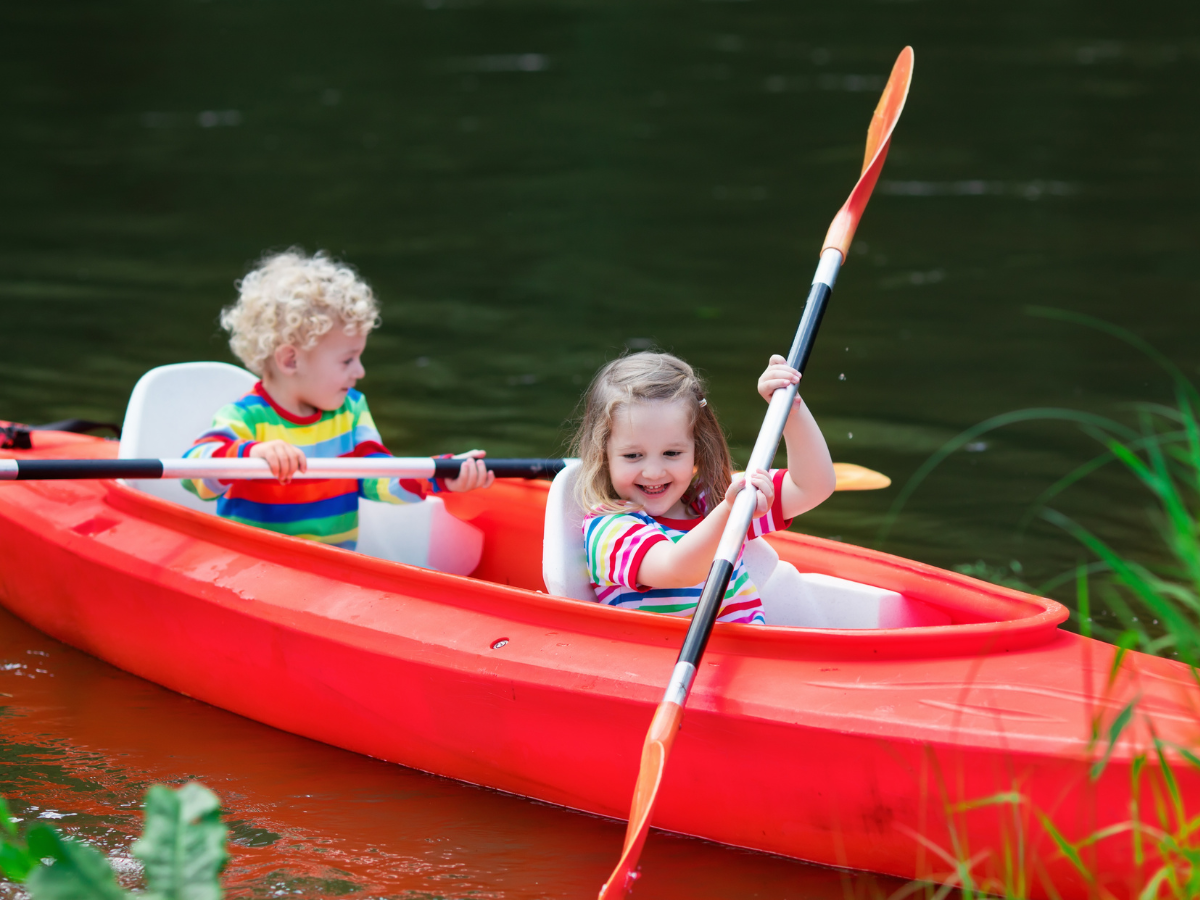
(286, 359)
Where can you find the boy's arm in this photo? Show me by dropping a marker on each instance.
(230, 436)
(368, 443)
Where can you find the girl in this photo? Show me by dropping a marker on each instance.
(654, 461)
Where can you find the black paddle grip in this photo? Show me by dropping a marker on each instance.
(504, 468)
(706, 611)
(52, 469)
(810, 323)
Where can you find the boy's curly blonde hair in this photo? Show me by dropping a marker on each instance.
(641, 378)
(292, 298)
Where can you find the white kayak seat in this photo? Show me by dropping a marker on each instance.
(790, 597)
(813, 600)
(422, 534)
(169, 408)
(173, 405)
(564, 557)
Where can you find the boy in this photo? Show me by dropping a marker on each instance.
(301, 324)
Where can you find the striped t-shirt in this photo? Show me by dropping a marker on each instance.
(324, 510)
(618, 542)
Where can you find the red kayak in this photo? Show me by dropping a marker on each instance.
(868, 748)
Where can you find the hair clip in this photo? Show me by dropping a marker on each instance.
(703, 401)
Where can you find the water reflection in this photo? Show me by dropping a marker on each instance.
(82, 741)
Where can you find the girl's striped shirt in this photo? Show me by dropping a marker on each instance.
(325, 510)
(618, 542)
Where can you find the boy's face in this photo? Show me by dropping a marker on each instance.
(323, 375)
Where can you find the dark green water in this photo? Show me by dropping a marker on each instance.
(531, 187)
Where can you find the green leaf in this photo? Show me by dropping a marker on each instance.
(15, 861)
(183, 843)
(44, 843)
(6, 821)
(79, 872)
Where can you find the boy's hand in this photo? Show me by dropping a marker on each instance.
(473, 473)
(778, 375)
(765, 490)
(284, 459)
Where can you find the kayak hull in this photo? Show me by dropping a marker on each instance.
(857, 749)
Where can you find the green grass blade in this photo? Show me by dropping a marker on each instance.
(1083, 604)
(1150, 891)
(1127, 572)
(1122, 334)
(1114, 733)
(1066, 848)
(1000, 421)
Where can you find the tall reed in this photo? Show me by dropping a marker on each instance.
(1161, 452)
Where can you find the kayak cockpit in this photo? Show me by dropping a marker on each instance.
(882, 605)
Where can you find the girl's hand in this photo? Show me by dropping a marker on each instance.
(473, 474)
(778, 374)
(765, 490)
(284, 459)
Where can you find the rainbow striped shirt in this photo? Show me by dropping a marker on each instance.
(325, 510)
(618, 542)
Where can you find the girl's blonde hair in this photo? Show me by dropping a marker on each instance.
(640, 378)
(292, 298)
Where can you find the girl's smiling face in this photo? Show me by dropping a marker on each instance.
(652, 456)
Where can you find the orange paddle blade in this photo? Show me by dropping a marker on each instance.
(879, 135)
(654, 761)
(858, 478)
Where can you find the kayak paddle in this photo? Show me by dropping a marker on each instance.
(257, 469)
(849, 476)
(669, 714)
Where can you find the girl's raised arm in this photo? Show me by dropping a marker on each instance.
(810, 478)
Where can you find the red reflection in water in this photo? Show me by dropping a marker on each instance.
(82, 740)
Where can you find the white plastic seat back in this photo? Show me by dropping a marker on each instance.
(564, 557)
(169, 408)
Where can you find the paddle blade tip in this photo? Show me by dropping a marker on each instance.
(879, 135)
(619, 883)
(645, 792)
(858, 478)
